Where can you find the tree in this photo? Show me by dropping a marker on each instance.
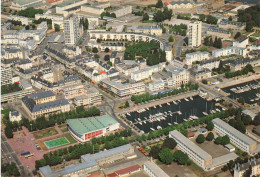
(256, 120)
(210, 136)
(57, 27)
(171, 39)
(145, 17)
(106, 57)
(225, 140)
(210, 126)
(159, 4)
(204, 81)
(215, 44)
(8, 132)
(238, 34)
(218, 140)
(27, 27)
(240, 126)
(219, 43)
(109, 63)
(126, 104)
(166, 156)
(230, 18)
(211, 42)
(200, 139)
(169, 143)
(155, 150)
(106, 50)
(180, 157)
(206, 41)
(95, 50)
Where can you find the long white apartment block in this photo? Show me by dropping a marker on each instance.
(23, 20)
(229, 51)
(239, 139)
(198, 155)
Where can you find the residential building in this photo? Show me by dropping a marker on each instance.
(179, 4)
(194, 33)
(23, 20)
(123, 89)
(84, 129)
(198, 155)
(90, 162)
(156, 86)
(23, 4)
(241, 63)
(71, 51)
(15, 116)
(6, 76)
(241, 42)
(179, 75)
(44, 103)
(226, 24)
(11, 52)
(151, 30)
(240, 169)
(56, 19)
(196, 56)
(69, 4)
(73, 91)
(229, 51)
(92, 9)
(91, 97)
(123, 11)
(199, 74)
(217, 32)
(209, 64)
(152, 170)
(147, 72)
(73, 30)
(237, 138)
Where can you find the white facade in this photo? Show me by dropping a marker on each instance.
(92, 9)
(23, 20)
(241, 43)
(240, 140)
(147, 72)
(196, 56)
(123, 11)
(229, 51)
(156, 86)
(60, 8)
(72, 30)
(15, 116)
(153, 170)
(194, 33)
(6, 76)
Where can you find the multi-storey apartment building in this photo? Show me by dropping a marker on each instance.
(221, 33)
(196, 56)
(73, 91)
(72, 30)
(6, 76)
(153, 170)
(194, 33)
(229, 51)
(239, 139)
(198, 155)
(240, 169)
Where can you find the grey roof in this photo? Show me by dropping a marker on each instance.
(41, 95)
(216, 29)
(226, 22)
(15, 113)
(242, 137)
(192, 146)
(155, 169)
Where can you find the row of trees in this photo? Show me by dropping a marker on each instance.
(160, 16)
(208, 41)
(184, 16)
(240, 121)
(147, 96)
(107, 14)
(178, 29)
(84, 23)
(10, 169)
(224, 140)
(30, 12)
(248, 68)
(149, 50)
(15, 22)
(74, 152)
(221, 68)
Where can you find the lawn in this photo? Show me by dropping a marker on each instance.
(64, 129)
(56, 142)
(10, 88)
(70, 138)
(45, 133)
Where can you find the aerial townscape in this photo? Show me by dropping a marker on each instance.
(136, 88)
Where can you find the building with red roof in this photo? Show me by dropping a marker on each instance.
(125, 171)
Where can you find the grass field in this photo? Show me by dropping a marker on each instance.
(56, 142)
(70, 138)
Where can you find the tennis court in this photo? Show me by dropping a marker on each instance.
(56, 142)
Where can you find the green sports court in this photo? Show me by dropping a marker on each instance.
(56, 142)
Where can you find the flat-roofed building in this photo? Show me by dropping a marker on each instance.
(73, 30)
(91, 97)
(179, 76)
(73, 91)
(239, 139)
(84, 129)
(226, 24)
(194, 33)
(229, 51)
(44, 103)
(6, 76)
(196, 56)
(23, 4)
(198, 155)
(69, 4)
(124, 89)
(153, 170)
(123, 11)
(23, 20)
(156, 86)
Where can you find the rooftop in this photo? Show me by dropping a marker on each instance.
(85, 125)
(155, 169)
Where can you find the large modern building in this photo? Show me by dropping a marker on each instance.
(72, 91)
(194, 33)
(153, 170)
(229, 51)
(72, 30)
(6, 76)
(84, 129)
(90, 162)
(239, 139)
(44, 103)
(91, 97)
(198, 155)
(23, 4)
